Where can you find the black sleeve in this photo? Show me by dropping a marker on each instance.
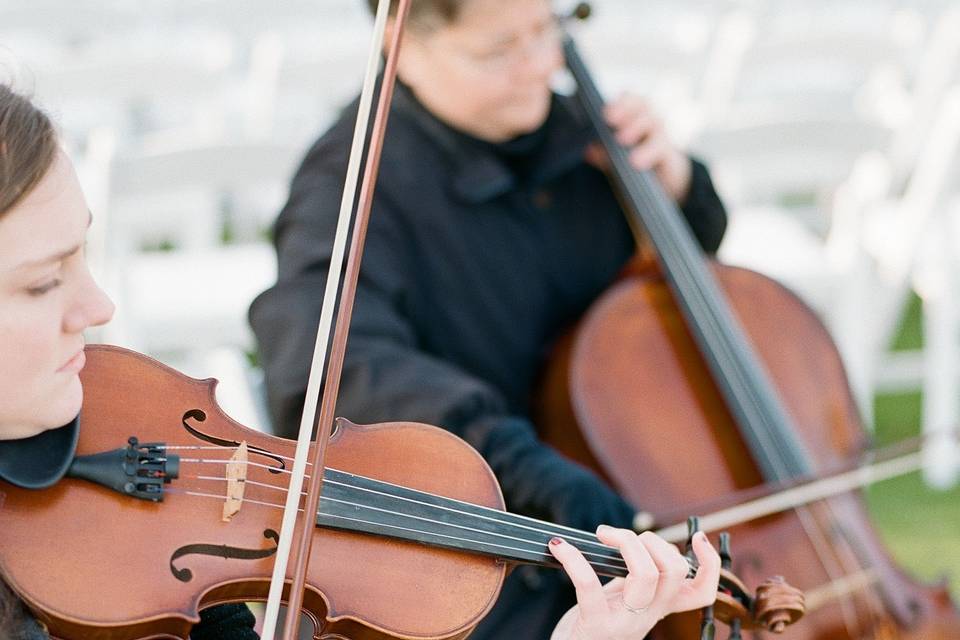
(704, 210)
(225, 622)
(387, 374)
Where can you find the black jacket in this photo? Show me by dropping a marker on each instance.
(224, 622)
(478, 257)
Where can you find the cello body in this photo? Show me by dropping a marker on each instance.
(629, 395)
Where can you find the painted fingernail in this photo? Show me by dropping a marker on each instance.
(555, 541)
(703, 537)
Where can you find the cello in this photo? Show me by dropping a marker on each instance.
(691, 350)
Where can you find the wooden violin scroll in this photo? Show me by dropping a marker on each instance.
(777, 604)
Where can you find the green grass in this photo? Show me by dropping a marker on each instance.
(920, 526)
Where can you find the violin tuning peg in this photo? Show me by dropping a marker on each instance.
(778, 604)
(693, 525)
(726, 561)
(708, 629)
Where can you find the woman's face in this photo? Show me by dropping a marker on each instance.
(47, 299)
(488, 73)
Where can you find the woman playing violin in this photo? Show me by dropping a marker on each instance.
(48, 298)
(492, 230)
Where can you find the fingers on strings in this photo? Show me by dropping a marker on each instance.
(657, 581)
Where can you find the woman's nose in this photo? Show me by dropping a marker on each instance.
(93, 307)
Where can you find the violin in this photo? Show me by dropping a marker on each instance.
(735, 366)
(170, 506)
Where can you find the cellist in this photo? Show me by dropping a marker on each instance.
(493, 228)
(48, 298)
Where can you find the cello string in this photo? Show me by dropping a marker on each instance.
(685, 263)
(676, 265)
(744, 380)
(736, 374)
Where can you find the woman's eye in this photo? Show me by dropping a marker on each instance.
(45, 287)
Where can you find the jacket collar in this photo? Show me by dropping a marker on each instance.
(478, 174)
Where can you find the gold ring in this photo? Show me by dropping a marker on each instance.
(633, 609)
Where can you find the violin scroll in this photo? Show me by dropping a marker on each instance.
(775, 606)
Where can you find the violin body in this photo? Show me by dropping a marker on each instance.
(629, 395)
(95, 565)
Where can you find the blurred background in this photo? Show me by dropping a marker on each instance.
(832, 128)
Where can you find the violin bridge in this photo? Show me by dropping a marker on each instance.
(236, 479)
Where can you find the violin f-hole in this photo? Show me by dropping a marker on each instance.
(221, 551)
(200, 416)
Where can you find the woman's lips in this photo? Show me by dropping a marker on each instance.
(74, 364)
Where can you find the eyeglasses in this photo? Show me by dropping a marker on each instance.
(500, 60)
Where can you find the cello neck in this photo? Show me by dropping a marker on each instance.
(742, 380)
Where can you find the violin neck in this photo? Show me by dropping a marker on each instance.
(364, 505)
(360, 504)
(744, 383)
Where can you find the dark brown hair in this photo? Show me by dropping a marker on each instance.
(28, 145)
(426, 13)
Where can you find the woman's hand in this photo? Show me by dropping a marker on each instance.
(640, 130)
(656, 586)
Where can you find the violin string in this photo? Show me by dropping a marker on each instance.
(219, 498)
(610, 552)
(493, 515)
(226, 461)
(246, 481)
(195, 447)
(547, 558)
(618, 569)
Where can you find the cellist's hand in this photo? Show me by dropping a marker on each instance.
(640, 130)
(629, 607)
